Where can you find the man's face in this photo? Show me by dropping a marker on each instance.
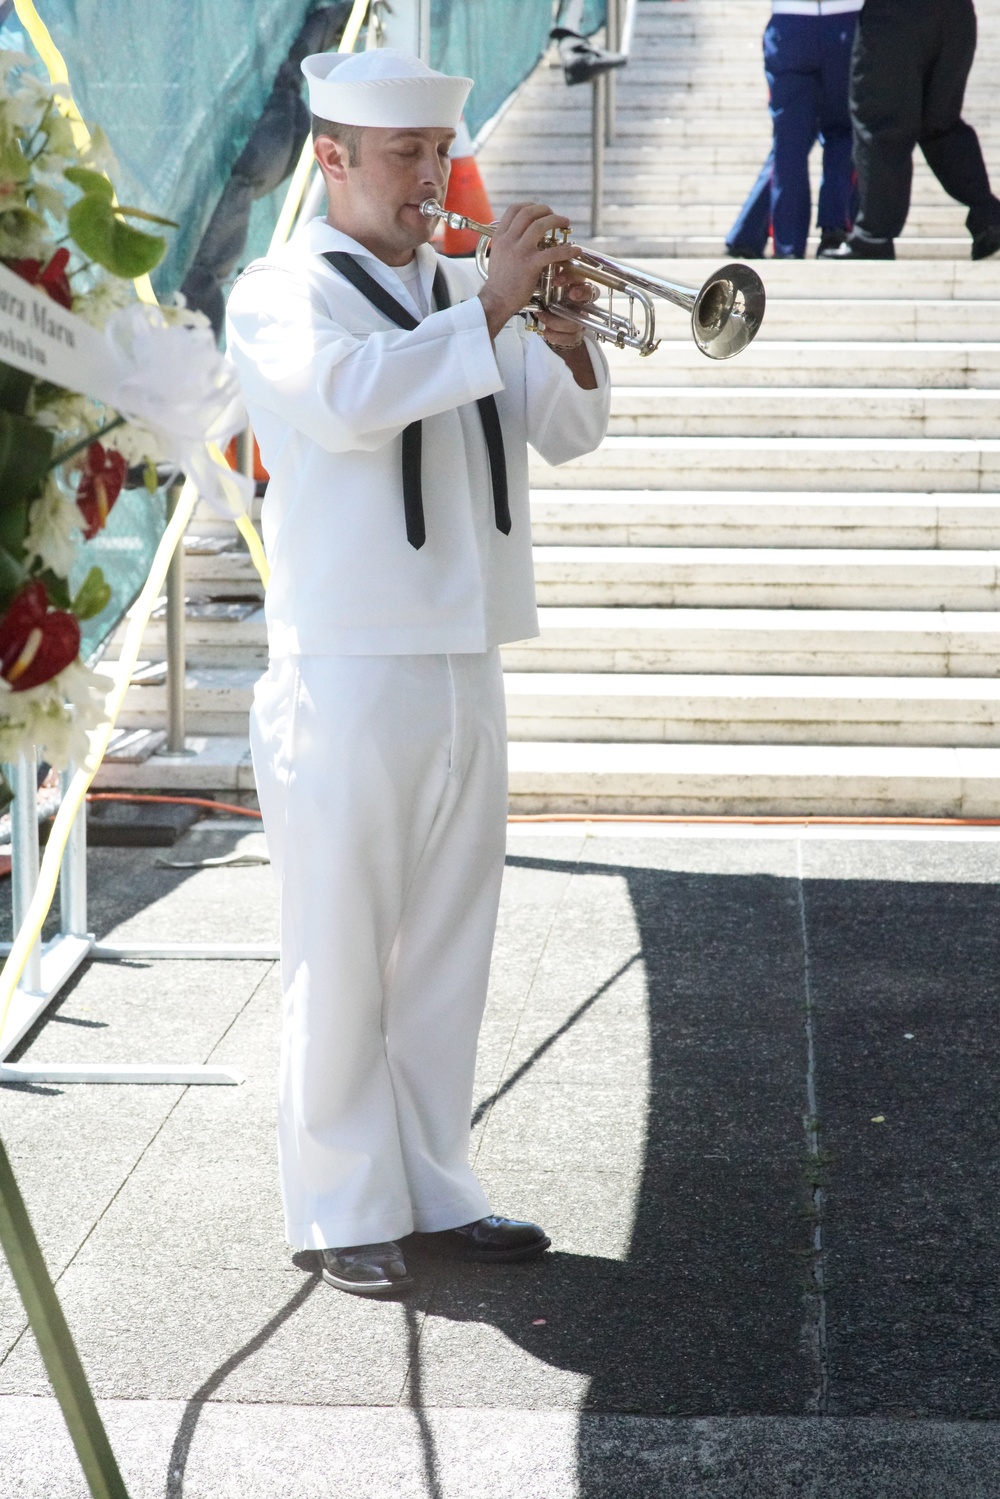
(377, 202)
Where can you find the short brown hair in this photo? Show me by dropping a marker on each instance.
(347, 135)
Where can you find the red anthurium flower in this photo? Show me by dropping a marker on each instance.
(36, 642)
(100, 485)
(51, 278)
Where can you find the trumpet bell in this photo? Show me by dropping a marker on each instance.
(728, 311)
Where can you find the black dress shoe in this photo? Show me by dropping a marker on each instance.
(491, 1241)
(743, 252)
(830, 240)
(986, 243)
(581, 59)
(367, 1269)
(863, 249)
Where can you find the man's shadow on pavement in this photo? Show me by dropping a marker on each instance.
(753, 983)
(706, 1312)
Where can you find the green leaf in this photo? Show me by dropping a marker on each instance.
(56, 588)
(12, 578)
(90, 182)
(15, 388)
(150, 477)
(14, 165)
(25, 451)
(122, 250)
(92, 596)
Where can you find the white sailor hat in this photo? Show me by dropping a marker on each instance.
(384, 86)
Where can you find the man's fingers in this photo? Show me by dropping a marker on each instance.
(554, 322)
(581, 292)
(522, 219)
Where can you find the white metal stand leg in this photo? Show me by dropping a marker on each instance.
(53, 963)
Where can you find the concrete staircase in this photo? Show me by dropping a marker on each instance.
(775, 587)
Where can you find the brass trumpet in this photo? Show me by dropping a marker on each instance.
(726, 313)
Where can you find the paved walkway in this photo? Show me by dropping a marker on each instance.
(746, 1079)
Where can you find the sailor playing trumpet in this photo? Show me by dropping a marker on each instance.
(393, 395)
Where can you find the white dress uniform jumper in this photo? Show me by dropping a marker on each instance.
(379, 731)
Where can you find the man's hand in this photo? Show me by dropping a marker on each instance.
(563, 336)
(516, 264)
(517, 260)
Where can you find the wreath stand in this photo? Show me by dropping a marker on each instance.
(53, 963)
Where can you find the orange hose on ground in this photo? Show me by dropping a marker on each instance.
(724, 819)
(176, 801)
(782, 821)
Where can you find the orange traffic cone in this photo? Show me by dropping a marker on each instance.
(466, 195)
(259, 471)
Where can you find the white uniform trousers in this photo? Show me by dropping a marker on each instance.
(383, 785)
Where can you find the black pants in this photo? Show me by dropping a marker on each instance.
(909, 68)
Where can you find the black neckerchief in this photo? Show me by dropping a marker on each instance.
(413, 500)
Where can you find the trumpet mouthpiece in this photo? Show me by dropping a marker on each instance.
(431, 209)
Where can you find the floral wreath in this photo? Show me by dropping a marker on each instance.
(65, 456)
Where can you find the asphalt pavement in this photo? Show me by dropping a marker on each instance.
(745, 1078)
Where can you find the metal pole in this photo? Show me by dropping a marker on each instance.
(597, 154)
(612, 37)
(244, 439)
(176, 655)
(22, 776)
(73, 871)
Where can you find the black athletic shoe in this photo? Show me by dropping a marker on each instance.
(366, 1269)
(830, 241)
(987, 243)
(491, 1241)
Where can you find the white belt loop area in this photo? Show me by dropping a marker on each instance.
(814, 7)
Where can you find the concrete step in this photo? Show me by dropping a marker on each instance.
(622, 708)
(654, 213)
(792, 412)
(870, 318)
(642, 175)
(780, 463)
(210, 642)
(962, 279)
(214, 762)
(627, 243)
(798, 642)
(217, 701)
(748, 518)
(633, 708)
(855, 366)
(766, 578)
(698, 779)
(761, 779)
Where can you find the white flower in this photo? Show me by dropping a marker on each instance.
(97, 303)
(136, 442)
(58, 716)
(48, 199)
(54, 525)
(68, 414)
(10, 61)
(98, 155)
